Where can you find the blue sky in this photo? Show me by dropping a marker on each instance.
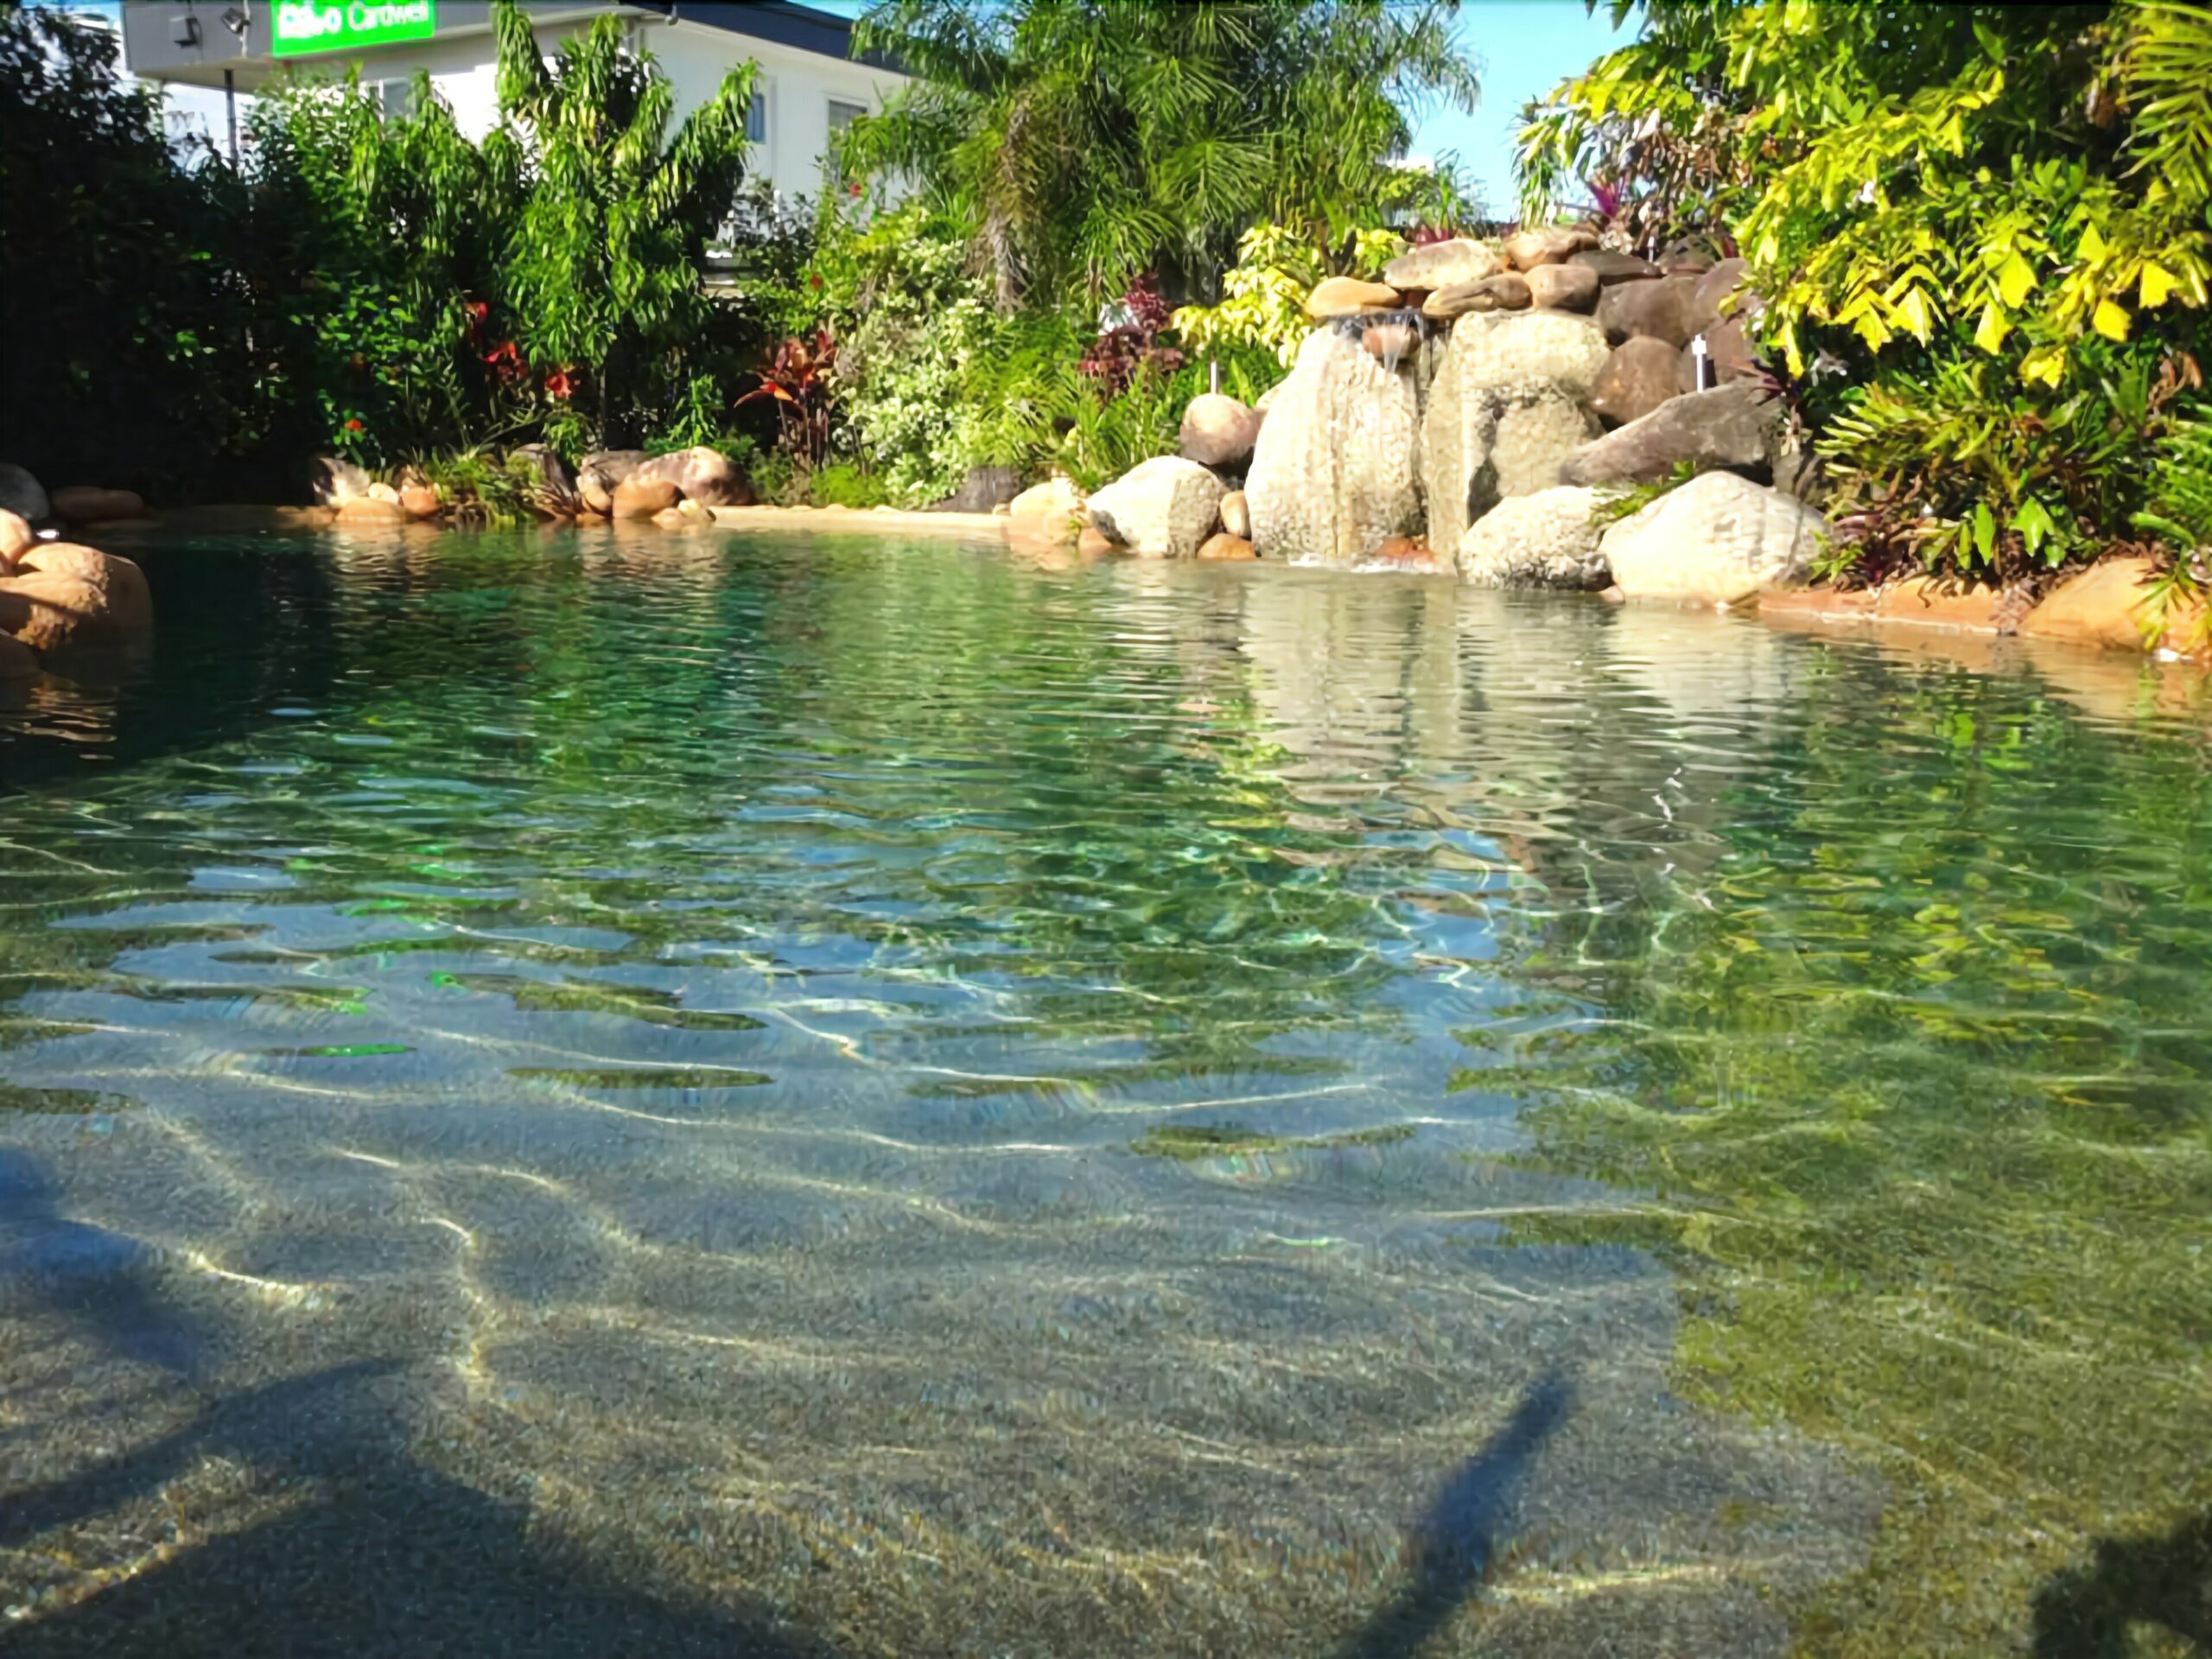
(1524, 48)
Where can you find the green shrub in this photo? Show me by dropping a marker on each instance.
(843, 485)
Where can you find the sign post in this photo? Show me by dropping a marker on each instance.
(311, 26)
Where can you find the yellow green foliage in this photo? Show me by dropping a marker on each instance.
(1263, 301)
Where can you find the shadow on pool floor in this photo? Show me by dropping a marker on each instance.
(394, 1558)
(2085, 1612)
(391, 1558)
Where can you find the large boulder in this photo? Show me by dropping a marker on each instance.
(1729, 357)
(1613, 267)
(1735, 426)
(366, 512)
(599, 473)
(1719, 539)
(1508, 405)
(1507, 291)
(419, 501)
(1219, 430)
(1563, 288)
(62, 596)
(641, 498)
(1335, 473)
(1163, 508)
(1658, 310)
(1449, 263)
(96, 504)
(1051, 513)
(1551, 244)
(711, 478)
(1709, 300)
(1348, 297)
(21, 494)
(2106, 606)
(1549, 539)
(335, 482)
(15, 536)
(1638, 378)
(986, 489)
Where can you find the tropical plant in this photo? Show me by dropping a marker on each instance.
(377, 240)
(1981, 231)
(797, 379)
(602, 271)
(1078, 144)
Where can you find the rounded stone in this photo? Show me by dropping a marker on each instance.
(1222, 547)
(1507, 291)
(87, 504)
(1550, 244)
(1348, 297)
(1612, 267)
(1563, 288)
(1218, 430)
(1443, 265)
(1638, 378)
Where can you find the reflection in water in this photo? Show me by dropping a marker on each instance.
(688, 1015)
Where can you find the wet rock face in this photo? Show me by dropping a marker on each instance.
(1509, 405)
(59, 596)
(1613, 267)
(1335, 473)
(20, 493)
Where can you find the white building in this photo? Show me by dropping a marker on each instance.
(808, 84)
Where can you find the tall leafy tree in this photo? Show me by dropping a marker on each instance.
(603, 269)
(1084, 141)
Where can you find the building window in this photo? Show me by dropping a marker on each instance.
(756, 119)
(396, 99)
(843, 115)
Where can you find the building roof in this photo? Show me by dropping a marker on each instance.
(197, 40)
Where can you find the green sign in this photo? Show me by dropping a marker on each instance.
(304, 26)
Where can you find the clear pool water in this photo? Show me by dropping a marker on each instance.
(578, 1094)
